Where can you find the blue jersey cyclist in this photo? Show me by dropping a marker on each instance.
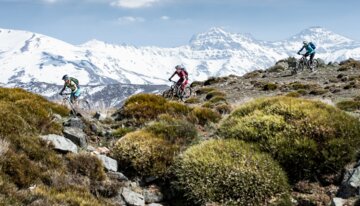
(310, 51)
(73, 85)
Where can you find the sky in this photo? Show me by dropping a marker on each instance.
(170, 23)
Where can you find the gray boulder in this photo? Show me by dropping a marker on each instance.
(153, 194)
(337, 201)
(74, 122)
(132, 198)
(76, 135)
(99, 116)
(117, 176)
(109, 163)
(351, 182)
(60, 143)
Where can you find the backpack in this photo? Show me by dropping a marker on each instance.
(76, 81)
(312, 45)
(187, 74)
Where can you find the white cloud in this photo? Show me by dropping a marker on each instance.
(133, 4)
(165, 17)
(130, 19)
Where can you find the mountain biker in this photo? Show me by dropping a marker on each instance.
(309, 51)
(183, 75)
(73, 84)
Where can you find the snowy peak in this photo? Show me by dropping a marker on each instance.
(321, 36)
(214, 39)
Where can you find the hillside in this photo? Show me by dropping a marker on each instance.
(230, 144)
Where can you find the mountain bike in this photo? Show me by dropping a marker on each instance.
(78, 106)
(303, 63)
(175, 91)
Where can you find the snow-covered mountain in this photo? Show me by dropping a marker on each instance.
(27, 57)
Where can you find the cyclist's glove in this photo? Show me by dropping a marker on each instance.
(170, 80)
(298, 53)
(61, 93)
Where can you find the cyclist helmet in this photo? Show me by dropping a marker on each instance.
(305, 42)
(178, 67)
(65, 77)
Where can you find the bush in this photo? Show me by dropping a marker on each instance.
(298, 86)
(196, 83)
(253, 74)
(318, 91)
(229, 172)
(176, 131)
(192, 100)
(269, 87)
(348, 105)
(213, 94)
(214, 80)
(87, 165)
(119, 132)
(299, 133)
(204, 90)
(349, 64)
(146, 107)
(144, 154)
(276, 68)
(223, 108)
(202, 116)
(293, 94)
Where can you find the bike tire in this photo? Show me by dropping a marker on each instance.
(186, 93)
(84, 105)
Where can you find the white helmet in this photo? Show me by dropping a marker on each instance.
(305, 42)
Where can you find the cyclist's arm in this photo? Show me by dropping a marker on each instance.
(63, 89)
(301, 49)
(172, 76)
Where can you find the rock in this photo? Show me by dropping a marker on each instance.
(109, 163)
(117, 175)
(90, 148)
(351, 182)
(60, 143)
(57, 117)
(74, 122)
(102, 150)
(94, 128)
(100, 116)
(153, 194)
(132, 198)
(76, 135)
(337, 201)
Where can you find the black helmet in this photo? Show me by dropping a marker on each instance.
(65, 77)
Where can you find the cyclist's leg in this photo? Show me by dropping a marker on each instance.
(75, 95)
(312, 58)
(178, 84)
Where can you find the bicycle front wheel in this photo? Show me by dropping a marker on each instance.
(83, 105)
(187, 93)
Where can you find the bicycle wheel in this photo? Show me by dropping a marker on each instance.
(167, 93)
(314, 64)
(186, 93)
(83, 104)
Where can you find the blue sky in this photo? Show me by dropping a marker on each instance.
(171, 23)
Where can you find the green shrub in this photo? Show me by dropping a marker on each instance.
(293, 94)
(146, 107)
(119, 132)
(276, 68)
(223, 108)
(229, 172)
(213, 94)
(177, 131)
(348, 105)
(318, 91)
(253, 74)
(202, 116)
(349, 64)
(204, 90)
(196, 83)
(87, 165)
(297, 132)
(192, 100)
(22, 171)
(215, 80)
(269, 87)
(144, 154)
